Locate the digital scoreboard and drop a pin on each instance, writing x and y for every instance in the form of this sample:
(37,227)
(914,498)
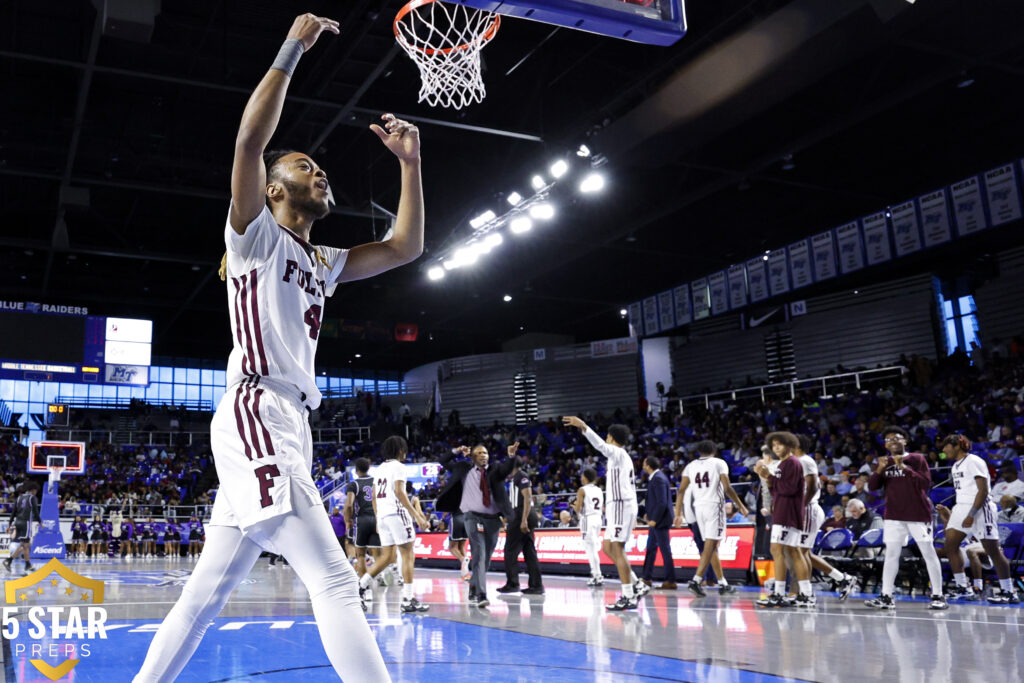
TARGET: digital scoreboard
(45,343)
(57,415)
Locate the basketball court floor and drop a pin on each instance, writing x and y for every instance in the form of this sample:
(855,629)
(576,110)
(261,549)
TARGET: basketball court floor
(267,633)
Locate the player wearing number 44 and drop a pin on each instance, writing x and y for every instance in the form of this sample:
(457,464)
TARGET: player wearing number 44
(262,447)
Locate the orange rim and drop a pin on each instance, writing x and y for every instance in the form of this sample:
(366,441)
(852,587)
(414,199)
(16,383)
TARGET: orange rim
(416,4)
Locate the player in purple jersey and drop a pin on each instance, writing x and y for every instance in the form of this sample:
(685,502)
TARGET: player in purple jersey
(277,285)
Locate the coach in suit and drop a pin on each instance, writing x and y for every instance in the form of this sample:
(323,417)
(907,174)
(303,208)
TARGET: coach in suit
(659,523)
(477,489)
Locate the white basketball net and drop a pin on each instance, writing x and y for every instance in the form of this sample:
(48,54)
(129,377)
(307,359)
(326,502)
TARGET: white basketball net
(445,42)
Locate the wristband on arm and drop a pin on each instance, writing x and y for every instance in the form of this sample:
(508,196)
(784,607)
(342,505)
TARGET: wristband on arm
(288,56)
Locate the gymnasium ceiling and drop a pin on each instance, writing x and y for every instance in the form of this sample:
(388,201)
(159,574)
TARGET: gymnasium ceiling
(862,94)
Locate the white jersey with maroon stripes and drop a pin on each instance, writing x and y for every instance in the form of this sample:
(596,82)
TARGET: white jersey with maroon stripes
(705,475)
(620,479)
(277,285)
(384,478)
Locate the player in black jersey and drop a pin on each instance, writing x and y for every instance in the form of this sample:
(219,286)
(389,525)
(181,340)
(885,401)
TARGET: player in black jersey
(359,515)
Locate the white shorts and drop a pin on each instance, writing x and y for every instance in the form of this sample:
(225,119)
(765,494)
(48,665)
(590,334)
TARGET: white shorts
(895,531)
(621,520)
(710,521)
(786,535)
(814,517)
(590,528)
(263,451)
(395,529)
(984,528)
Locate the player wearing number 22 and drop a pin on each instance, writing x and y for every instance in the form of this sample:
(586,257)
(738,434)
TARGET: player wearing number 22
(276,284)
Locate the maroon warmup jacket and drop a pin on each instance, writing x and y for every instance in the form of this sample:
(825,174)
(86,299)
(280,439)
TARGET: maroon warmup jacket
(906,490)
(788,494)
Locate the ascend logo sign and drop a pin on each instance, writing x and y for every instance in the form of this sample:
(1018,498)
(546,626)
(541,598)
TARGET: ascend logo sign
(59,606)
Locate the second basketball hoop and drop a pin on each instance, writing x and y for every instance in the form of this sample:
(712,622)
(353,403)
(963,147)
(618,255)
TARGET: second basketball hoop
(445,40)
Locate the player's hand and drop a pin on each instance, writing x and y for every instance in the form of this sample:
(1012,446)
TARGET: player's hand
(968,522)
(744,511)
(401,137)
(573,421)
(883,462)
(308,27)
(678,521)
(898,459)
(512,449)
(764,512)
(525,527)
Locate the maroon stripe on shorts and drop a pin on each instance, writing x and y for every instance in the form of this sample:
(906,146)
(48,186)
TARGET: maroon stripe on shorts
(238,326)
(256,324)
(256,411)
(239,424)
(247,407)
(245,326)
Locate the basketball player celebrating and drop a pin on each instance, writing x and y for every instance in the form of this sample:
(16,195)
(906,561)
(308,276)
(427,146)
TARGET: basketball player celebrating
(395,516)
(622,506)
(814,517)
(261,441)
(788,490)
(974,514)
(908,511)
(589,505)
(710,476)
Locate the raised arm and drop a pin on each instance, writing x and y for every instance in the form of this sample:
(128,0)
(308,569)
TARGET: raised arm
(602,447)
(259,121)
(406,242)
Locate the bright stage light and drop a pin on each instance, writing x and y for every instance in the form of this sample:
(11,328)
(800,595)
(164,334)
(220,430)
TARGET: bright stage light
(483,219)
(435,273)
(465,256)
(450,264)
(537,182)
(507,298)
(493,240)
(514,198)
(520,225)
(559,168)
(623,312)
(594,182)
(583,151)
(542,211)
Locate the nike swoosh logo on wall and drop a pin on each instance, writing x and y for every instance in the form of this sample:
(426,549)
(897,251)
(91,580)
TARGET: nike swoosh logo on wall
(754,322)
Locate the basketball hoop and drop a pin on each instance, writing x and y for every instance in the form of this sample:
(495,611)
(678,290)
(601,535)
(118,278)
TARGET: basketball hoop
(445,40)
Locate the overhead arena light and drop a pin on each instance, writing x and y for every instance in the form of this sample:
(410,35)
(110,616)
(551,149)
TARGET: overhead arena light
(507,298)
(623,312)
(450,264)
(559,168)
(520,225)
(435,273)
(466,256)
(482,220)
(583,151)
(594,182)
(537,182)
(514,198)
(543,211)
(493,240)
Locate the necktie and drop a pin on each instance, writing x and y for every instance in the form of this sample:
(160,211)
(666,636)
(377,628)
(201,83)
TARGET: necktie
(484,488)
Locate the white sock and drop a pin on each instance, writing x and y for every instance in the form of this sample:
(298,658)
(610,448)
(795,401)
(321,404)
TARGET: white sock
(365,580)
(960,579)
(1006,585)
(805,587)
(979,585)
(632,577)
(723,582)
(837,575)
(627,590)
(779,587)
(407,593)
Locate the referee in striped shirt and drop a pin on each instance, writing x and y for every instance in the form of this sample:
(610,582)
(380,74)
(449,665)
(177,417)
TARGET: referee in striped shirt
(519,537)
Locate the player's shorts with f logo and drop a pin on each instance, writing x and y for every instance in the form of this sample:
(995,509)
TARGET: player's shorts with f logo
(263,451)
(621,520)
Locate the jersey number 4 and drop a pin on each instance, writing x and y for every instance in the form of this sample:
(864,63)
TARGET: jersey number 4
(703,479)
(312,318)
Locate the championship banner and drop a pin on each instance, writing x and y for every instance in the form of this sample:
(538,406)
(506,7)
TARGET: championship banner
(824,256)
(935,218)
(719,293)
(800,264)
(757,278)
(701,302)
(565,546)
(681,295)
(636,318)
(778,272)
(906,230)
(967,206)
(851,247)
(613,347)
(1002,194)
(666,311)
(876,238)
(737,286)
(651,316)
